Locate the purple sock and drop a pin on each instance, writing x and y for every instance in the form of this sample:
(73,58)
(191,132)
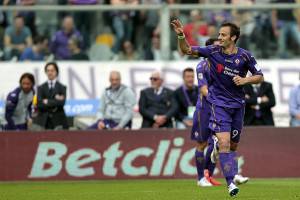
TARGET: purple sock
(235,162)
(226,161)
(208,164)
(200,161)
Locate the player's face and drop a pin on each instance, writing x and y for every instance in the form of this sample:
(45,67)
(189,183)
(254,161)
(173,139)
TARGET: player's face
(224,37)
(51,72)
(26,85)
(188,79)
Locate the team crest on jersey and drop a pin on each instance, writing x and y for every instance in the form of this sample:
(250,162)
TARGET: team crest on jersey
(237,61)
(220,68)
(200,76)
(196,134)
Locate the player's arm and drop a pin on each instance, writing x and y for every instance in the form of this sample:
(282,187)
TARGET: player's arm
(202,79)
(255,79)
(257,75)
(204,90)
(184,46)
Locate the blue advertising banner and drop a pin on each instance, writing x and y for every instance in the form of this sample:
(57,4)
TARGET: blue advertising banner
(73,107)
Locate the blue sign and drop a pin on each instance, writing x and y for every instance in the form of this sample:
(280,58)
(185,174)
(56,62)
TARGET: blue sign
(83,107)
(2,107)
(74,107)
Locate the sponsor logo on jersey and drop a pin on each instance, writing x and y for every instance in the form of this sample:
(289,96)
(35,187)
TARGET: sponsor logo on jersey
(220,68)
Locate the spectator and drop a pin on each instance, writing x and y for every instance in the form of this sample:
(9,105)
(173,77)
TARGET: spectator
(186,97)
(29,16)
(18,104)
(196,29)
(45,25)
(51,97)
(122,23)
(157,104)
(76,52)
(259,101)
(285,24)
(116,106)
(154,53)
(59,44)
(16,38)
(128,52)
(294,105)
(150,20)
(37,51)
(84,20)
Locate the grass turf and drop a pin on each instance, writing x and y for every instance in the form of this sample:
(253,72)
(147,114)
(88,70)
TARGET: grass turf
(256,189)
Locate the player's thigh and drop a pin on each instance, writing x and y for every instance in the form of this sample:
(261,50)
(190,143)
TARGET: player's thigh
(237,125)
(200,131)
(220,119)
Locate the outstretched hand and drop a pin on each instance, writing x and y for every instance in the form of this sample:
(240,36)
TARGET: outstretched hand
(177,26)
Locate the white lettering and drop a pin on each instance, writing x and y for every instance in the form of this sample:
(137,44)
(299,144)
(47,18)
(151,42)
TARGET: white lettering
(173,157)
(185,161)
(111,156)
(159,158)
(42,158)
(73,163)
(127,166)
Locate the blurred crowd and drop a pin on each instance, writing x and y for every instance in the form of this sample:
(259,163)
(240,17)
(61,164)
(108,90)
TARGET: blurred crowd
(135,35)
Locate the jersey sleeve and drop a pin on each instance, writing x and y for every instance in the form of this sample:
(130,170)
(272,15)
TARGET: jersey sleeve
(254,68)
(201,74)
(202,51)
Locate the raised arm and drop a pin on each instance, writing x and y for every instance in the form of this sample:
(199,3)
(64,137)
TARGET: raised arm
(184,46)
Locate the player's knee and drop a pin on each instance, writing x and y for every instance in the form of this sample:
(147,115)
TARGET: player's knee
(201,146)
(224,145)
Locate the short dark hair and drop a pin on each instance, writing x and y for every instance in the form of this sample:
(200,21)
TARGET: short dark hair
(234,30)
(29,76)
(39,39)
(55,66)
(188,69)
(19,17)
(210,41)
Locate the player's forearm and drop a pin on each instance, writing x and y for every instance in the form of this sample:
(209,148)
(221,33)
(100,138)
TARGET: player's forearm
(204,90)
(184,46)
(255,79)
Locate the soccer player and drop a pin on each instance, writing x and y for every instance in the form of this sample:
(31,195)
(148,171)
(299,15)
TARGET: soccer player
(229,66)
(200,131)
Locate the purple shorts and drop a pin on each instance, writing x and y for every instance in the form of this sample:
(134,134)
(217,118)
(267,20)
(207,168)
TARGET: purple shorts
(225,119)
(200,130)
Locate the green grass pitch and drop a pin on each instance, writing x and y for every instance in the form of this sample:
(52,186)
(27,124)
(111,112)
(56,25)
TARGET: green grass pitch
(172,189)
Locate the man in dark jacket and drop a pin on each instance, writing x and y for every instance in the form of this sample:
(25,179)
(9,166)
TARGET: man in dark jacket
(186,97)
(51,97)
(157,104)
(18,104)
(259,101)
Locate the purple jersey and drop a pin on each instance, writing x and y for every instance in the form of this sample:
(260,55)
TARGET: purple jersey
(222,90)
(203,78)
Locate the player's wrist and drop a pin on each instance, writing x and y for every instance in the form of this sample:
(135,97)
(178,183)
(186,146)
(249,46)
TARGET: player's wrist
(180,36)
